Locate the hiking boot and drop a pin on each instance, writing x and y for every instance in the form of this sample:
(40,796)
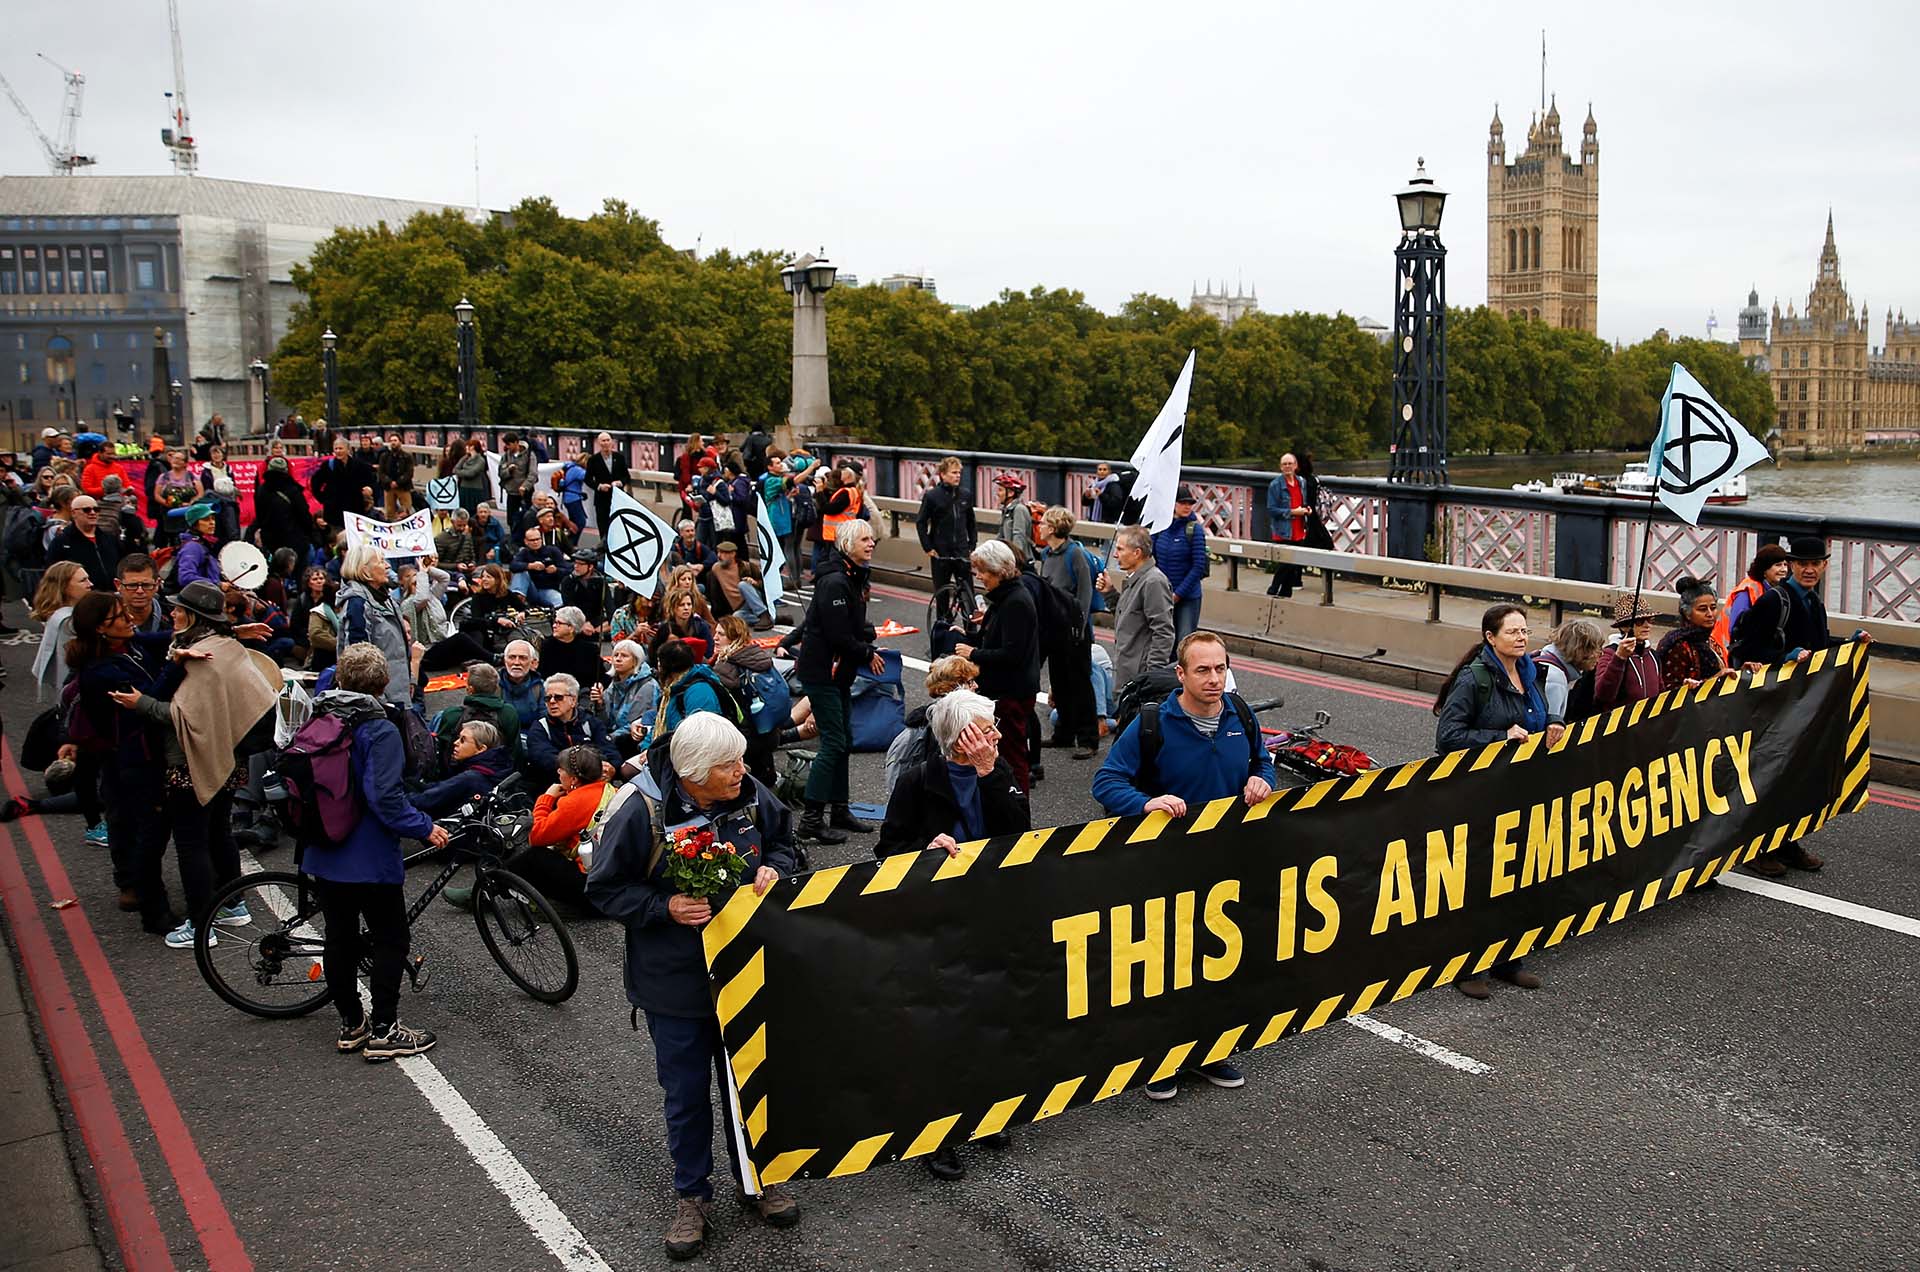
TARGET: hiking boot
(946,1164)
(775,1206)
(388,1042)
(1222,1074)
(843,819)
(458,897)
(1164,1089)
(764,623)
(1768,866)
(1037,773)
(813,825)
(1474,987)
(688,1231)
(352,1037)
(1518,976)
(1795,854)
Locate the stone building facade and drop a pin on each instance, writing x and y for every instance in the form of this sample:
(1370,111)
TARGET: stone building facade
(1224,307)
(1543,225)
(1833,391)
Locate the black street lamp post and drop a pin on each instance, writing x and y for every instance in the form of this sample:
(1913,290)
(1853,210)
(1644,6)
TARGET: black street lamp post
(177,401)
(263,376)
(1419,454)
(331,370)
(469,374)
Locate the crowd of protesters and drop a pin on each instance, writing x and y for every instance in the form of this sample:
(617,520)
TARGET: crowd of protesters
(574,693)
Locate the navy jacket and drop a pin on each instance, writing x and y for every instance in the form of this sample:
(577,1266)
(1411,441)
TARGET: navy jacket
(666,969)
(1188,765)
(547,737)
(1465,721)
(1757,636)
(471,777)
(1181,553)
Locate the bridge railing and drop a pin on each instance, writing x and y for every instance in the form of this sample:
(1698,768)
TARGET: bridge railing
(1875,572)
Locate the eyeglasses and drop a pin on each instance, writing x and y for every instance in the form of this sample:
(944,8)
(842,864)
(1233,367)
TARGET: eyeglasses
(128,586)
(559,697)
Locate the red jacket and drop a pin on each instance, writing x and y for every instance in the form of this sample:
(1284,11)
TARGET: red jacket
(94,475)
(557,823)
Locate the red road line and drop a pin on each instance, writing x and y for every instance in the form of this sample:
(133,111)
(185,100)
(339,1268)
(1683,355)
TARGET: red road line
(1901,801)
(212,1224)
(129,1207)
(1260,665)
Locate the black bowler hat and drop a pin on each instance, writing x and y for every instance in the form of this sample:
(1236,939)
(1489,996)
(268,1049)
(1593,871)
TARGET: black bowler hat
(1807,547)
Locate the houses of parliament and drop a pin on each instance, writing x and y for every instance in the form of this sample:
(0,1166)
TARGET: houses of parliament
(1543,224)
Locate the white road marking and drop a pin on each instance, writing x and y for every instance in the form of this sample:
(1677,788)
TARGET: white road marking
(529,1200)
(1420,1046)
(921,665)
(1826,905)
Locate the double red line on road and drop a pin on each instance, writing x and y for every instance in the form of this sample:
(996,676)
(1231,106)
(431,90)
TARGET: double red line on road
(129,1206)
(1904,800)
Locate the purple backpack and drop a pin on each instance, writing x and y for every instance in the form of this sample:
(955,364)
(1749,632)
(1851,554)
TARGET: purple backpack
(317,767)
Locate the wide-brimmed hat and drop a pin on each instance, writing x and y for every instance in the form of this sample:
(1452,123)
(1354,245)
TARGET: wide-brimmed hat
(203,600)
(1807,547)
(1629,609)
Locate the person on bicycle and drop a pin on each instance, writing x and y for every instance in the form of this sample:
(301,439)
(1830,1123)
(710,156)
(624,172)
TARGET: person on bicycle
(705,784)
(946,530)
(362,877)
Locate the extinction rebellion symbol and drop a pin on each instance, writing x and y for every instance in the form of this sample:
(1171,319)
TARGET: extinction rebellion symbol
(1705,449)
(634,548)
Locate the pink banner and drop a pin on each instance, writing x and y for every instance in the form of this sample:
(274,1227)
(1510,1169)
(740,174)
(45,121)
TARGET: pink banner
(246,474)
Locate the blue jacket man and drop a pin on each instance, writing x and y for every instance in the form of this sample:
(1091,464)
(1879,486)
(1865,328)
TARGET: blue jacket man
(704,786)
(1181,553)
(1205,754)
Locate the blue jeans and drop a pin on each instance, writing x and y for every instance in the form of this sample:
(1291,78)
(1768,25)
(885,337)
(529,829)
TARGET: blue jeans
(753,606)
(1186,618)
(822,553)
(687,1058)
(549,597)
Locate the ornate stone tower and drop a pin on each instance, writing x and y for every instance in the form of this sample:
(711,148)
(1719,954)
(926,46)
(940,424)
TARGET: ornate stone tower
(1753,332)
(1818,363)
(1543,224)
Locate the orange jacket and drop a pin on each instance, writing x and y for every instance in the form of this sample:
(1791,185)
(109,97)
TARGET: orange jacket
(557,823)
(96,472)
(1723,625)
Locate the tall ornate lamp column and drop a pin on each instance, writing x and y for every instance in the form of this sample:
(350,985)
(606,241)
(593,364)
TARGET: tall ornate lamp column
(1419,455)
(808,280)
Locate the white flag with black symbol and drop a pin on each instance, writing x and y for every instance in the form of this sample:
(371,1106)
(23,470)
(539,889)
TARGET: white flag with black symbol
(1156,461)
(1699,446)
(772,559)
(636,543)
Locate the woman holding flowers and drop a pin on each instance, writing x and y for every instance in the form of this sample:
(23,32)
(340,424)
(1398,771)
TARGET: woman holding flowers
(665,865)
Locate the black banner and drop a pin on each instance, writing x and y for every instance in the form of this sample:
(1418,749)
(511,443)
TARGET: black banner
(879,1011)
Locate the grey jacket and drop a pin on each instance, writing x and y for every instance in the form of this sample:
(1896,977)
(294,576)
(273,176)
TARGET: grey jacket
(378,619)
(1070,571)
(1142,625)
(471,471)
(516,473)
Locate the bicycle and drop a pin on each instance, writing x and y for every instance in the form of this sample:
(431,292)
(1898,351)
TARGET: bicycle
(532,624)
(272,966)
(950,618)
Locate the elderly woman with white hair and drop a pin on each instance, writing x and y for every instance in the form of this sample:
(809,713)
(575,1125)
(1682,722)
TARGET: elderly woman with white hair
(572,650)
(963,794)
(836,641)
(705,785)
(631,694)
(1008,653)
(369,609)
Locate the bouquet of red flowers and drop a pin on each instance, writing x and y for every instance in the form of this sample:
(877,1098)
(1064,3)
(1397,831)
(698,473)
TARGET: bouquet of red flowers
(701,866)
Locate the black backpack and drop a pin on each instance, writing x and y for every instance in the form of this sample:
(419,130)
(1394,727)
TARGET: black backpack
(1152,685)
(25,551)
(1150,738)
(1061,625)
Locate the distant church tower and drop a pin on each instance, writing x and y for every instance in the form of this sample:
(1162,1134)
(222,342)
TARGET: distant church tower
(1753,332)
(1543,225)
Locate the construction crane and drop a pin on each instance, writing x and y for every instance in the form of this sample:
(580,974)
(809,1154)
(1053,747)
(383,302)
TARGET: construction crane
(177,136)
(61,156)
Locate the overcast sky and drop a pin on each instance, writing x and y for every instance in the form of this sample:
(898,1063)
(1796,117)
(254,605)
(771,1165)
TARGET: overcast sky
(1113,148)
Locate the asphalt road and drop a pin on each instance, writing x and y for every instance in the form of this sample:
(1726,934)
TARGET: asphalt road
(1727,1081)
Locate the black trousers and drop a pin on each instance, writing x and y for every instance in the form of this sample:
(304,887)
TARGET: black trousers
(958,571)
(1070,679)
(203,848)
(558,879)
(384,907)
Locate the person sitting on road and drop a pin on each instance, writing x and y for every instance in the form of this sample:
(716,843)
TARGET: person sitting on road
(483,703)
(454,545)
(914,744)
(488,615)
(1493,695)
(521,687)
(687,687)
(572,649)
(705,785)
(480,763)
(965,792)
(585,588)
(1199,745)
(565,811)
(633,620)
(631,696)
(537,568)
(734,586)
(682,622)
(687,550)
(565,724)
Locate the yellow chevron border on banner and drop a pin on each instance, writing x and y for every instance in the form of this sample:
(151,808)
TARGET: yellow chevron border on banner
(740,1003)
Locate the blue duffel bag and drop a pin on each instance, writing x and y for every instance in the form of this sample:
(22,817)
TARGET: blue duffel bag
(879,704)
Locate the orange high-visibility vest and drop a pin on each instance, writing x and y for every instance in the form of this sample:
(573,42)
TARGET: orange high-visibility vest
(1723,625)
(830,523)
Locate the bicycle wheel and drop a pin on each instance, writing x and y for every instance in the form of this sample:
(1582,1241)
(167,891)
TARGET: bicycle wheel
(270,967)
(525,935)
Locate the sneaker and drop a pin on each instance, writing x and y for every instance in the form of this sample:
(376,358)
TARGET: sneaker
(97,834)
(181,938)
(688,1231)
(1164,1089)
(396,1039)
(353,1037)
(234,915)
(1222,1074)
(775,1206)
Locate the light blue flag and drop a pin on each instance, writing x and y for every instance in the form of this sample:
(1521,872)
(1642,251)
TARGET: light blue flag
(1699,445)
(443,493)
(773,559)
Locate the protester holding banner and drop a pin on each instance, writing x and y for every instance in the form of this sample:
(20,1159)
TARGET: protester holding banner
(1569,654)
(704,786)
(1689,653)
(370,613)
(1789,620)
(1768,568)
(1629,669)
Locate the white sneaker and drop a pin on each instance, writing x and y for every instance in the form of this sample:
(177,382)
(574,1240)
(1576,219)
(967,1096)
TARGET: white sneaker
(181,938)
